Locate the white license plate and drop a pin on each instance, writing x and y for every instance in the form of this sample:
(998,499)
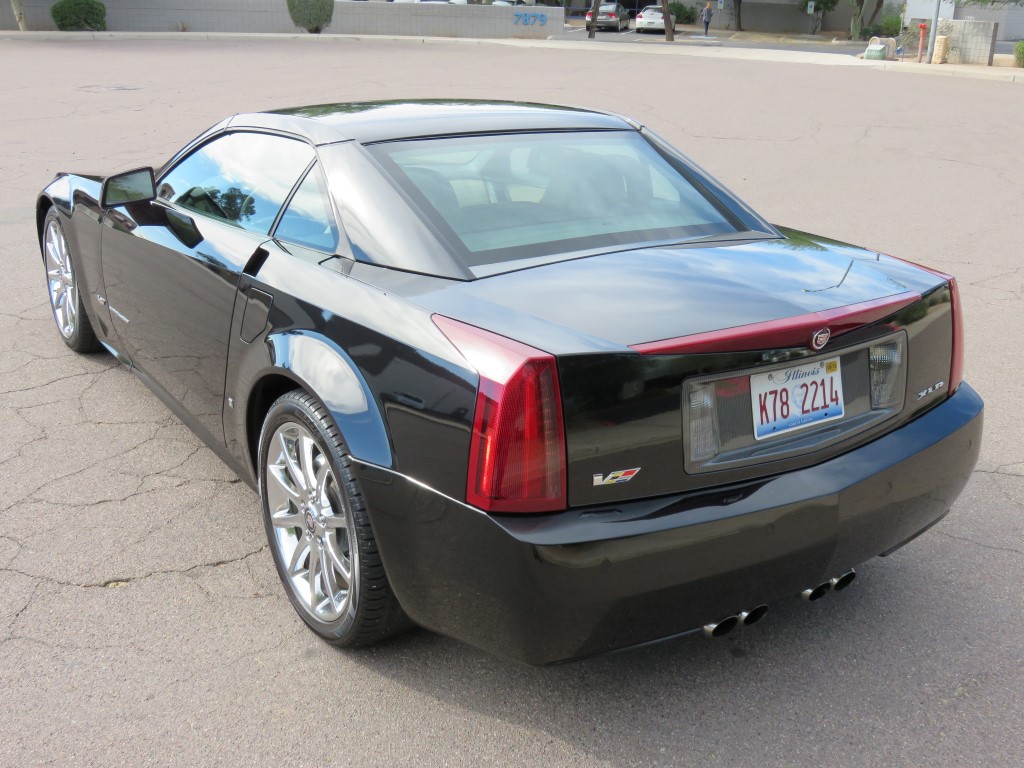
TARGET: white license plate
(796,397)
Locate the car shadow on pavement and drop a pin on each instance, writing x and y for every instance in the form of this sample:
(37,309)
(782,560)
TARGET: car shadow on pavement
(764,683)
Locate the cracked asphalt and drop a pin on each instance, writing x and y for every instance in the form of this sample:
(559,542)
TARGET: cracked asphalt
(141,620)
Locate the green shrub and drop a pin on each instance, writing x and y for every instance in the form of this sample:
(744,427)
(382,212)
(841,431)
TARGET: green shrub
(1018,53)
(312,15)
(79,15)
(684,14)
(890,26)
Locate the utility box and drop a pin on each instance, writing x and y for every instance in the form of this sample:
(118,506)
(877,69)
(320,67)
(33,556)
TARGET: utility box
(875,52)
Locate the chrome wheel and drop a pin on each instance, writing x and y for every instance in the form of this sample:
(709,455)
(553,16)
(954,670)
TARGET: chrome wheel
(310,524)
(60,277)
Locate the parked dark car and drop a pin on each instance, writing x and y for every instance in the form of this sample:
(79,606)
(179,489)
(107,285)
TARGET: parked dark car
(523,375)
(609,16)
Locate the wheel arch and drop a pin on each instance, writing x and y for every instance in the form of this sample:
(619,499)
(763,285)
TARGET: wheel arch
(43,205)
(313,363)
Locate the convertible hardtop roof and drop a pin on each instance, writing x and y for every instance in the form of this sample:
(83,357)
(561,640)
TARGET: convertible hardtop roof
(372,121)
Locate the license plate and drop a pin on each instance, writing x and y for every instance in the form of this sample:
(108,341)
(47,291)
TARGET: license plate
(793,398)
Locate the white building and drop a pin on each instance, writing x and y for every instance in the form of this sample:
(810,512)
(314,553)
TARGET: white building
(1009,17)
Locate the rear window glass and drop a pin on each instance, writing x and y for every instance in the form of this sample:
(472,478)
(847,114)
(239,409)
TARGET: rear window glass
(502,198)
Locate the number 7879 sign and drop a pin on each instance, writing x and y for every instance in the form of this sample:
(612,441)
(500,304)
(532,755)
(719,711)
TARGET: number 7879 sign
(529,19)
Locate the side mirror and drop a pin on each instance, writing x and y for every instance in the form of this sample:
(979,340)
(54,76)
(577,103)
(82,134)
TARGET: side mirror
(136,186)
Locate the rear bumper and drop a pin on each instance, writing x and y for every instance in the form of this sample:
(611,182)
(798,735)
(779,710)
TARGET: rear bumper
(546,588)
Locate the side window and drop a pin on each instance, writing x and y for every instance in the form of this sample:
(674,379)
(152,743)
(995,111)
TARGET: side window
(240,178)
(308,219)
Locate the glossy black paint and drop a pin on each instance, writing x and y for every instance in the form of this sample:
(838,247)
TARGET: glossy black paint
(219,322)
(588,581)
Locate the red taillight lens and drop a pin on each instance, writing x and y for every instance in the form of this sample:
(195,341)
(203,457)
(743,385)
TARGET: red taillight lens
(956,369)
(517,449)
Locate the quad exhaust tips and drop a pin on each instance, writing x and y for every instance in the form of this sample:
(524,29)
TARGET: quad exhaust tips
(723,627)
(729,623)
(838,584)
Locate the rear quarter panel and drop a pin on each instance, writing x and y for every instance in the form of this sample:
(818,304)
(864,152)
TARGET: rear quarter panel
(397,390)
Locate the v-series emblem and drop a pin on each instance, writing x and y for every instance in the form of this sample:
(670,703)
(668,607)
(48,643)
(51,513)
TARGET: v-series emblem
(618,476)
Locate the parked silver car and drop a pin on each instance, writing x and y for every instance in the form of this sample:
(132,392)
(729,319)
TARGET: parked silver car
(610,16)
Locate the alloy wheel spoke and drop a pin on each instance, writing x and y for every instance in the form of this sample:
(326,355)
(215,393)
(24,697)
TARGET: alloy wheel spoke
(336,522)
(299,554)
(330,584)
(313,572)
(293,467)
(320,496)
(307,462)
(279,489)
(285,519)
(338,560)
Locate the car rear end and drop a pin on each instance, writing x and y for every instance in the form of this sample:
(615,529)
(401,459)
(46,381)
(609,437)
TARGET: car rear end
(613,499)
(650,19)
(657,437)
(607,18)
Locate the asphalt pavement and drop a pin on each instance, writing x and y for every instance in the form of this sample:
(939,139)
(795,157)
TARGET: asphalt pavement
(141,619)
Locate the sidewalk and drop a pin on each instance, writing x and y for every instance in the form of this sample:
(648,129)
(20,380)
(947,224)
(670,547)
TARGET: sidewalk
(682,46)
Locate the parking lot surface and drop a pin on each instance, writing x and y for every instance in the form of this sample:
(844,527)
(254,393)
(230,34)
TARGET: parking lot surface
(141,619)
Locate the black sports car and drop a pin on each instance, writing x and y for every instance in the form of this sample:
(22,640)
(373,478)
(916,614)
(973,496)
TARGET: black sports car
(520,374)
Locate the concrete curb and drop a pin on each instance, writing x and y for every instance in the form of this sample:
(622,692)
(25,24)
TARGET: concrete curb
(679,48)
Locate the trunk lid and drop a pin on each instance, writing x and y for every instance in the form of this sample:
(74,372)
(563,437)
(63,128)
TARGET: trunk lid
(621,299)
(625,411)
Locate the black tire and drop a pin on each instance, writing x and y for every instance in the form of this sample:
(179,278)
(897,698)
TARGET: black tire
(371,611)
(75,329)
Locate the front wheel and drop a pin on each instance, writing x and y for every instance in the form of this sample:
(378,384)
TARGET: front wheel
(318,528)
(62,285)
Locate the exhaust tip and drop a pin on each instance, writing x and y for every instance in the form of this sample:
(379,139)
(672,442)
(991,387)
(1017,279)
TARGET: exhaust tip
(816,593)
(754,615)
(723,627)
(840,583)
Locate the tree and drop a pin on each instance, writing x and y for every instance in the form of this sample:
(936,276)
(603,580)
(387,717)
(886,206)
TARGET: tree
(856,23)
(312,15)
(874,13)
(666,15)
(821,7)
(594,8)
(19,14)
(738,5)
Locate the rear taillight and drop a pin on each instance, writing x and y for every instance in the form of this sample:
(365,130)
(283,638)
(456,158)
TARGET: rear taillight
(956,369)
(517,449)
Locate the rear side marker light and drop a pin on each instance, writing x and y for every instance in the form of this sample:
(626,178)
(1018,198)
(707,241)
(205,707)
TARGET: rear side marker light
(517,448)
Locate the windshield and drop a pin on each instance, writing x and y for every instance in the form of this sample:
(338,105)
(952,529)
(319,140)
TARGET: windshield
(502,198)
(651,9)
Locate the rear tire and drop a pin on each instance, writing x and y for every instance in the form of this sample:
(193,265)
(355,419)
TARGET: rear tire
(63,287)
(318,528)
